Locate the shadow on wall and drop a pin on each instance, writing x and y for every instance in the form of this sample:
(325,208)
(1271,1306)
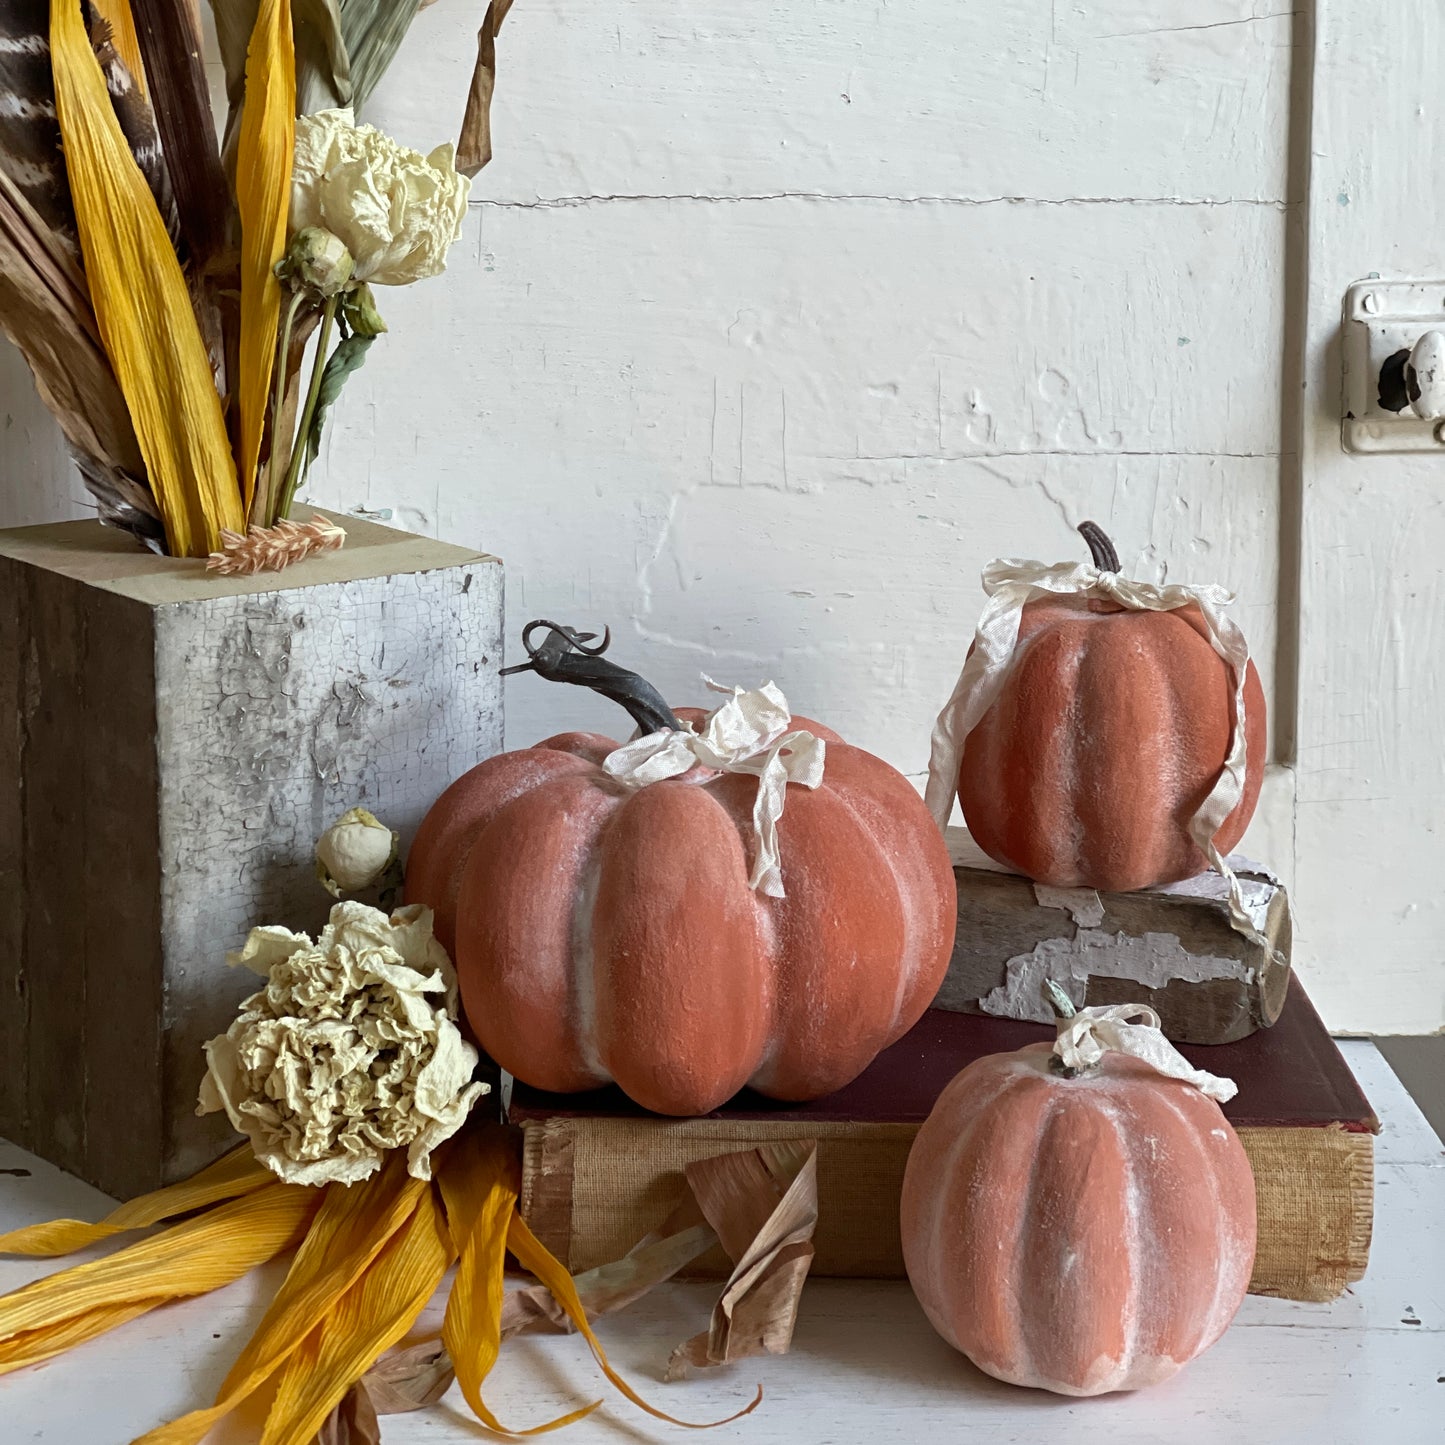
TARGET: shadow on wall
(38,483)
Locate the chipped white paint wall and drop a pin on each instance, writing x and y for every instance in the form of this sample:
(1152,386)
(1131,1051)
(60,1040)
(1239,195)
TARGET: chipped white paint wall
(771,325)
(1370,813)
(768,331)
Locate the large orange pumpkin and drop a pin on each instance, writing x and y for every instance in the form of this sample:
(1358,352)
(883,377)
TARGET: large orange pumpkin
(602,934)
(1108,734)
(1080,1234)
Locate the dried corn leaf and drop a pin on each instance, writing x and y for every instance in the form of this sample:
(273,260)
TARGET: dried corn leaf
(235,1174)
(763,1205)
(532,1254)
(187,1259)
(34,1346)
(323,71)
(263,194)
(611,1287)
(171,48)
(142,305)
(351,1228)
(117,14)
(479,1179)
(474,148)
(370,1317)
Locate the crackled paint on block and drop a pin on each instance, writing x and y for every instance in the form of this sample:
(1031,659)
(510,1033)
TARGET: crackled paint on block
(175,763)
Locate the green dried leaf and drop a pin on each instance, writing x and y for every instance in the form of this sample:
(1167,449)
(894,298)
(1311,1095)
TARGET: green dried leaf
(349,354)
(373,30)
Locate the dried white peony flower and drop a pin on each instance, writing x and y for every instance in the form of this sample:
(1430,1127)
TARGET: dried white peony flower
(354,852)
(348,1052)
(395,210)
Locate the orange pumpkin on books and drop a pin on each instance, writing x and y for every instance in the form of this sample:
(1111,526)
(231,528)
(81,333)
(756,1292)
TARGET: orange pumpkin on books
(1079,1228)
(1111,725)
(604,931)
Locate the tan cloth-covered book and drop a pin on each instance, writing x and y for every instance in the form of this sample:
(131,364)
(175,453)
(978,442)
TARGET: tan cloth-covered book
(599,1173)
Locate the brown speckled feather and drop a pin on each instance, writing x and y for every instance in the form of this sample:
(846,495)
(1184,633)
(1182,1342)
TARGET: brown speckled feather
(30,149)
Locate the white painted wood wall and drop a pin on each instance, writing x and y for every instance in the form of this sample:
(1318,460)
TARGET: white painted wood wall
(771,325)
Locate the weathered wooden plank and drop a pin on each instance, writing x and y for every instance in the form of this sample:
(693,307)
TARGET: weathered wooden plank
(1171,948)
(51,902)
(14,995)
(183,742)
(115,892)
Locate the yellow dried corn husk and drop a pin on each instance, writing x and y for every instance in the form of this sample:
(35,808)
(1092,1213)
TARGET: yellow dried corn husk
(532,1254)
(187,1259)
(237,1173)
(351,1228)
(479,1180)
(118,15)
(141,305)
(263,196)
(37,1345)
(371,1317)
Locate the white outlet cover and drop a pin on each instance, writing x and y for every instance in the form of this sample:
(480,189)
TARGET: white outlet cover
(1379,319)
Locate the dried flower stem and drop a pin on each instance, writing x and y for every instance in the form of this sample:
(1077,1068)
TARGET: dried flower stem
(308,414)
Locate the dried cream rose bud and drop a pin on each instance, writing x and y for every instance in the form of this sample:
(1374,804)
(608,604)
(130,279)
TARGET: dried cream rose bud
(316,261)
(354,852)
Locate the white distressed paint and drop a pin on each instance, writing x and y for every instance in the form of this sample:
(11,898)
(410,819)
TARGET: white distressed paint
(1152,959)
(865,1365)
(768,329)
(1370,776)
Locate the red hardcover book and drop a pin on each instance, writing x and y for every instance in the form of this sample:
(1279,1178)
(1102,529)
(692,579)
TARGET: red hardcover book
(599,1172)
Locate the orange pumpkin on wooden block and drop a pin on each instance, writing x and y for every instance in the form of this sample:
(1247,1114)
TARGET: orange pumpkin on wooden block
(1109,732)
(604,932)
(1079,1231)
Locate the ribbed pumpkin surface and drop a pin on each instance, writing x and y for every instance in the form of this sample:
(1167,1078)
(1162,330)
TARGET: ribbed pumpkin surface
(602,934)
(1110,731)
(1080,1235)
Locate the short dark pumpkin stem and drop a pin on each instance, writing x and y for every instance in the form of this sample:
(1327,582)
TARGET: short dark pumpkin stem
(563,656)
(1106,559)
(1063,1007)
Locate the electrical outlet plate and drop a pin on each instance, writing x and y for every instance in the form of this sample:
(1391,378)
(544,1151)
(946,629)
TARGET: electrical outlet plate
(1381,318)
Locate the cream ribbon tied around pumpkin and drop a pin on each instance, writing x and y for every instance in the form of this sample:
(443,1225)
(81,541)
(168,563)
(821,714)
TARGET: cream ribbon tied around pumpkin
(1133,1029)
(1010,583)
(750,733)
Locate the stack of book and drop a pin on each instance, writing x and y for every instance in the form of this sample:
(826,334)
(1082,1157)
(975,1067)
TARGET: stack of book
(599,1173)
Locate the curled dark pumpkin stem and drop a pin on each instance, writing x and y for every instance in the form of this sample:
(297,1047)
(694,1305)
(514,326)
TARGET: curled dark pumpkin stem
(563,656)
(1106,559)
(1063,1007)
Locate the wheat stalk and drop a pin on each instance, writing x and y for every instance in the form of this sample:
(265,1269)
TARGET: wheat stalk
(269,549)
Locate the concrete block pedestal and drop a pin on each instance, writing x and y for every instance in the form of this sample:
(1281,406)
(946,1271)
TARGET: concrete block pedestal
(171,745)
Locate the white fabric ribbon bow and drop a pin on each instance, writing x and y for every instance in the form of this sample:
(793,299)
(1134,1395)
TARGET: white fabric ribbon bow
(1010,583)
(1085,1038)
(748,734)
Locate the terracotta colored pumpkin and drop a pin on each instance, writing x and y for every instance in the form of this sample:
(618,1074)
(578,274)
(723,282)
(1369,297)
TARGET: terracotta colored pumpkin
(1080,1234)
(1109,733)
(602,934)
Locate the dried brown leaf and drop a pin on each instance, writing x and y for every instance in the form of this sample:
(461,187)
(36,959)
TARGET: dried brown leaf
(763,1203)
(353,1421)
(409,1379)
(611,1287)
(474,148)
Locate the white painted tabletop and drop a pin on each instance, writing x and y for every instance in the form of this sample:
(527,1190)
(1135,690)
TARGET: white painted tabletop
(865,1366)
